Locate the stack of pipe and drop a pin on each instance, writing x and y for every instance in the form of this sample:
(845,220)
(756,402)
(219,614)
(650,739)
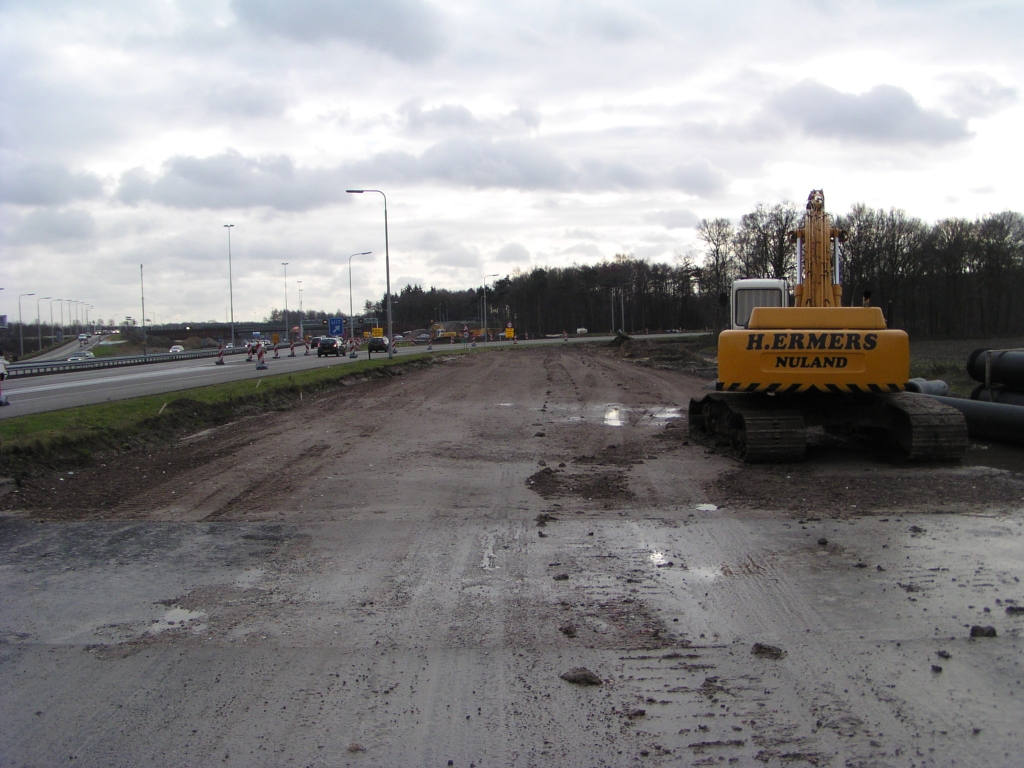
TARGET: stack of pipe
(995,410)
(1000,373)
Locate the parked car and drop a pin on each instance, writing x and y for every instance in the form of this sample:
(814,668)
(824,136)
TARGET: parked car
(175,349)
(377,344)
(328,346)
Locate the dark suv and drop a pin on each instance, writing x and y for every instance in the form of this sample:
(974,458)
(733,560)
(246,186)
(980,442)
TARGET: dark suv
(377,344)
(328,346)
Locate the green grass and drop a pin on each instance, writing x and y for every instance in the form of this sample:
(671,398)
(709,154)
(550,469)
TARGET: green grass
(71,434)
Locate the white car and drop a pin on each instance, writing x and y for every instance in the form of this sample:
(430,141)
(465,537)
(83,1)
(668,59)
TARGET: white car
(79,356)
(176,348)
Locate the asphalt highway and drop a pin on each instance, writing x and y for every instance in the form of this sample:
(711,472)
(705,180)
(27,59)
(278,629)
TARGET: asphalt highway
(68,390)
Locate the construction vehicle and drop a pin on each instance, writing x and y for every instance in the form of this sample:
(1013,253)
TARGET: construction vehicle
(782,369)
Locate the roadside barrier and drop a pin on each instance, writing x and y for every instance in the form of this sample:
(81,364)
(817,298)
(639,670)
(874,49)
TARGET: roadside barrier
(277,354)
(261,364)
(248,354)
(306,342)
(220,355)
(291,353)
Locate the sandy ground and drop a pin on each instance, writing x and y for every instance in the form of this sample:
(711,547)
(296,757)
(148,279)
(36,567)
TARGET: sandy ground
(399,573)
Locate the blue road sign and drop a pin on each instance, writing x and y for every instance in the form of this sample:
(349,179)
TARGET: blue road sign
(336,326)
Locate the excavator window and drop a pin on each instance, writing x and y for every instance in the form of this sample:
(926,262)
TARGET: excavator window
(748,298)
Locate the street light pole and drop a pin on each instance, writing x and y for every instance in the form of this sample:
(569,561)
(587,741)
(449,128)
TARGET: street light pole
(39,322)
(21,324)
(142,285)
(51,320)
(302,333)
(485,304)
(351,334)
(287,333)
(231,290)
(387,265)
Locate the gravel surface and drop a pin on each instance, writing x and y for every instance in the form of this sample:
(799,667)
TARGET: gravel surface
(515,558)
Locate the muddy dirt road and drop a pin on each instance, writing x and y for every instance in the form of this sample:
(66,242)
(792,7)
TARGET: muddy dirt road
(399,574)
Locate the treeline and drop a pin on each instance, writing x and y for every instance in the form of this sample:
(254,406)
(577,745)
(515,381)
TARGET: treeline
(954,278)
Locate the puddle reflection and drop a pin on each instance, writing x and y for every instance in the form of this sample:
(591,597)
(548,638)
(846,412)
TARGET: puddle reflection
(612,416)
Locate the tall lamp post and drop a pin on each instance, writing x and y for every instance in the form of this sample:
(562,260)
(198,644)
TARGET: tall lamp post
(287,333)
(302,333)
(39,322)
(54,335)
(351,330)
(387,263)
(231,291)
(485,304)
(21,324)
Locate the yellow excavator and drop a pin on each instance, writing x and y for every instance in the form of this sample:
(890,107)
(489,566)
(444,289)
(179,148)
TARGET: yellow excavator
(782,369)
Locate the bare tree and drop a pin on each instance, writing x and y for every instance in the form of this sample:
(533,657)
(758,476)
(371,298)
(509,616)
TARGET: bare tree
(762,241)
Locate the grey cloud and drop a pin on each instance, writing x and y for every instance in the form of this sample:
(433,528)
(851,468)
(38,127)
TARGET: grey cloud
(405,29)
(445,116)
(456,118)
(528,165)
(446,253)
(47,184)
(584,249)
(246,101)
(607,23)
(513,252)
(584,234)
(231,180)
(44,226)
(673,219)
(977,95)
(698,177)
(886,114)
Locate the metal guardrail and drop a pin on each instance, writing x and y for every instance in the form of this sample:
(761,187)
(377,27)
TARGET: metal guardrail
(23,370)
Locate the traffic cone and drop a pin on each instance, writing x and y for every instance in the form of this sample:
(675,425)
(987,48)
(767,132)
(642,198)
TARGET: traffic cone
(261,364)
(220,355)
(277,354)
(292,352)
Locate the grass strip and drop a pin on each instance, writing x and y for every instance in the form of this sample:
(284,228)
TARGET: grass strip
(70,436)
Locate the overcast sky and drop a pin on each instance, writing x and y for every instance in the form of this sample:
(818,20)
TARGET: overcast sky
(506,135)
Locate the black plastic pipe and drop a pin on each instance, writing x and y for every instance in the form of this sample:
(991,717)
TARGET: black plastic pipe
(1007,367)
(997,395)
(990,421)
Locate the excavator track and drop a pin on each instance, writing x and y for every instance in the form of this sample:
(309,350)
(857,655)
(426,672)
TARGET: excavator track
(753,428)
(760,429)
(925,429)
